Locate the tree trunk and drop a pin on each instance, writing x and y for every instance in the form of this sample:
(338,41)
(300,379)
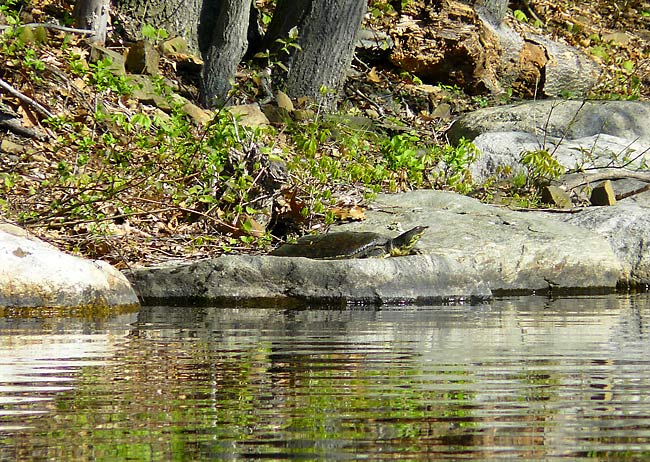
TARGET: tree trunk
(183,18)
(92,15)
(327,31)
(225,50)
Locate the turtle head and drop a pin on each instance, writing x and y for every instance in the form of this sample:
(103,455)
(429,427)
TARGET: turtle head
(404,243)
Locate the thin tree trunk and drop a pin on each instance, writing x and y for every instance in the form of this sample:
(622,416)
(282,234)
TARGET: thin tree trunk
(93,15)
(224,51)
(327,31)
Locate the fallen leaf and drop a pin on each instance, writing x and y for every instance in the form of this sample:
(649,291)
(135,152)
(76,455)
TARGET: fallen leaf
(373,76)
(349,213)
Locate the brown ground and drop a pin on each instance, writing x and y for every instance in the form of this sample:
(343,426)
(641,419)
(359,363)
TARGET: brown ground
(614,33)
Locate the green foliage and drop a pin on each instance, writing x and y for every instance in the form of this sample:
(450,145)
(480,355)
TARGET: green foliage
(623,82)
(103,77)
(600,51)
(520,16)
(31,61)
(19,44)
(405,75)
(404,154)
(457,160)
(541,165)
(154,34)
(310,137)
(379,9)
(10,9)
(285,47)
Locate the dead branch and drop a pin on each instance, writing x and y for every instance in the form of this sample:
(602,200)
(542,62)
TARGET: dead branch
(575,180)
(26,99)
(72,30)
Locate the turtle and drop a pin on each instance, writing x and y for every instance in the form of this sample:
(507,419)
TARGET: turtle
(351,244)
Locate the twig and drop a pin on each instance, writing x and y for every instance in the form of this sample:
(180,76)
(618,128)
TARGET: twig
(26,99)
(55,27)
(197,212)
(531,12)
(633,192)
(550,210)
(109,218)
(581,179)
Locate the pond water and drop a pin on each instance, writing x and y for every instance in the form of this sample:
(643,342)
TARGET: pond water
(523,378)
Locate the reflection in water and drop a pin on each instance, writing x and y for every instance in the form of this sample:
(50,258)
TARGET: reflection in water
(527,378)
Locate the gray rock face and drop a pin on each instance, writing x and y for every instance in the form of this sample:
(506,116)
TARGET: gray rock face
(469,251)
(509,251)
(557,118)
(35,274)
(589,134)
(417,278)
(626,227)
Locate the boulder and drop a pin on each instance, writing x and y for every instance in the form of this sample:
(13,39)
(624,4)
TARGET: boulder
(578,134)
(510,251)
(470,251)
(249,279)
(626,226)
(36,274)
(555,118)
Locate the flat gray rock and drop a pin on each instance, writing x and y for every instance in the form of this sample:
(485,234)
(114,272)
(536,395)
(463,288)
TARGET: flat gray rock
(509,251)
(470,251)
(34,274)
(263,279)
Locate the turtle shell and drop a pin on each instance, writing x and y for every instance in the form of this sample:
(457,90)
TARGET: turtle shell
(346,244)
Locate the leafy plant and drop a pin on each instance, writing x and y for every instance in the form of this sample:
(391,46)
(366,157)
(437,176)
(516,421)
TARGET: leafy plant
(541,166)
(457,160)
(285,47)
(152,33)
(520,16)
(105,78)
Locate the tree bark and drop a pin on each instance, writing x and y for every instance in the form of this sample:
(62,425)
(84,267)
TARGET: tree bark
(327,31)
(92,15)
(183,18)
(224,51)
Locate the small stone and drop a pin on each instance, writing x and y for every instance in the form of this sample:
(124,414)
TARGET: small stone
(198,115)
(303,114)
(173,46)
(142,58)
(10,147)
(116,67)
(603,194)
(619,38)
(284,101)
(442,111)
(555,195)
(250,115)
(372,114)
(275,114)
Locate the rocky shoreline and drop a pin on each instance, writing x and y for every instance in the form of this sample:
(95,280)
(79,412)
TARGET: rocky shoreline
(471,251)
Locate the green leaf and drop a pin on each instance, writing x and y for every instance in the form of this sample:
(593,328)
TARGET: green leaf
(520,16)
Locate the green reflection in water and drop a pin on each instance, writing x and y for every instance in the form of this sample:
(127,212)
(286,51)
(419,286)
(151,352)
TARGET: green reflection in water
(180,400)
(517,382)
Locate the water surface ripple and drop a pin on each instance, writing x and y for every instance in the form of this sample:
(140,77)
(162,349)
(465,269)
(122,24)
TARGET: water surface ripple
(527,379)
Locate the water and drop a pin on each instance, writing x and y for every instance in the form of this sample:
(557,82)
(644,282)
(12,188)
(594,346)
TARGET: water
(524,379)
